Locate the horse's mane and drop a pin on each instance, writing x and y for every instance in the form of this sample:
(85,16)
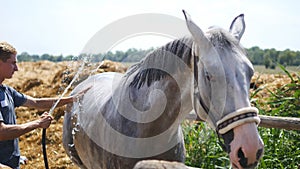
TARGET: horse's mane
(222,39)
(181,48)
(149,68)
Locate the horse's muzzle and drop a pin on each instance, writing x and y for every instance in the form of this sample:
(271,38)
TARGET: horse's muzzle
(241,138)
(244,146)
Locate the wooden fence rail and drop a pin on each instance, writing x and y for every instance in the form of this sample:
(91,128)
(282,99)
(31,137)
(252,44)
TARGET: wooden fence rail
(288,123)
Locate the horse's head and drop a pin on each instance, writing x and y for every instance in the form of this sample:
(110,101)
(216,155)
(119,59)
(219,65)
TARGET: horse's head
(222,75)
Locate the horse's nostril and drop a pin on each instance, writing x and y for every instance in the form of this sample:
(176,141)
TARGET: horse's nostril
(243,160)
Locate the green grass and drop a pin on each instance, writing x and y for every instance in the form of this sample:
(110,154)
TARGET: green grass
(282,147)
(202,150)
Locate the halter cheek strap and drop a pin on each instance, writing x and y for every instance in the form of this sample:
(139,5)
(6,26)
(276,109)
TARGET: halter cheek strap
(237,118)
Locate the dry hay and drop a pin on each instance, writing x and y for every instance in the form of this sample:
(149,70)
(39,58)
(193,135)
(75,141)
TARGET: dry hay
(48,79)
(264,83)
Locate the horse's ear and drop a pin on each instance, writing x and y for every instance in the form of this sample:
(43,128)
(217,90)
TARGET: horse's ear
(237,27)
(196,32)
(202,43)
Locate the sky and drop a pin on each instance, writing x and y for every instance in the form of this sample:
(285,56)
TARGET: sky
(63,27)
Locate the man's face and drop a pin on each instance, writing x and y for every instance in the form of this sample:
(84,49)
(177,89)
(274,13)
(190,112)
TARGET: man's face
(8,68)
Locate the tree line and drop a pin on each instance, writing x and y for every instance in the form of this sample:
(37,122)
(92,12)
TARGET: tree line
(258,56)
(270,57)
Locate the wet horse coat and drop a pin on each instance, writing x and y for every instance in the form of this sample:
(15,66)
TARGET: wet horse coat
(125,118)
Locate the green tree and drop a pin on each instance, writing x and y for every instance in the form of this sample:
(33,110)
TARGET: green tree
(256,55)
(24,57)
(47,57)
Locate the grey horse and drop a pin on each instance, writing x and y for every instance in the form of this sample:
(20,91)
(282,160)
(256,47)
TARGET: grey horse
(125,118)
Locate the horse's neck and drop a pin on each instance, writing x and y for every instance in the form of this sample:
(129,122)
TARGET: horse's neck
(156,92)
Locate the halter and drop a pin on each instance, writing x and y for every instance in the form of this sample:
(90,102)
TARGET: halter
(237,118)
(230,121)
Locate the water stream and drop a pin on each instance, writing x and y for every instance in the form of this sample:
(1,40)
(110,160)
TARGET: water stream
(68,87)
(74,80)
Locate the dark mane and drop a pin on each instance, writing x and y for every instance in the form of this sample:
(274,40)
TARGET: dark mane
(182,48)
(148,69)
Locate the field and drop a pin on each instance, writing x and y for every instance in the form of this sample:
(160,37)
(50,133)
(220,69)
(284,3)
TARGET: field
(48,79)
(277,70)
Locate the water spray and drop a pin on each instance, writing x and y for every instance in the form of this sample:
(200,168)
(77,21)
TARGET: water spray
(55,105)
(51,112)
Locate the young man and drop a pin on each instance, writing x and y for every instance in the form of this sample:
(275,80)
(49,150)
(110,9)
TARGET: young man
(9,99)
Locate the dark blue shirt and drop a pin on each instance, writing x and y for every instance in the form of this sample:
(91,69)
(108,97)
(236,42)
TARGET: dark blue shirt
(9,149)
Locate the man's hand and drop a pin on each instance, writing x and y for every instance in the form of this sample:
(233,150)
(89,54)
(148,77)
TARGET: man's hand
(45,120)
(77,96)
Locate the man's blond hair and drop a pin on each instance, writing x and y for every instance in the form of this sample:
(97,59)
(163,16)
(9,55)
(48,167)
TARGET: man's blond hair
(6,50)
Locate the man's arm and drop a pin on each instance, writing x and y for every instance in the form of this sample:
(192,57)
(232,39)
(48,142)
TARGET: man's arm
(9,132)
(47,103)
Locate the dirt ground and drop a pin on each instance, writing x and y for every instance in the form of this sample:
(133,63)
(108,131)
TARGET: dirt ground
(48,79)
